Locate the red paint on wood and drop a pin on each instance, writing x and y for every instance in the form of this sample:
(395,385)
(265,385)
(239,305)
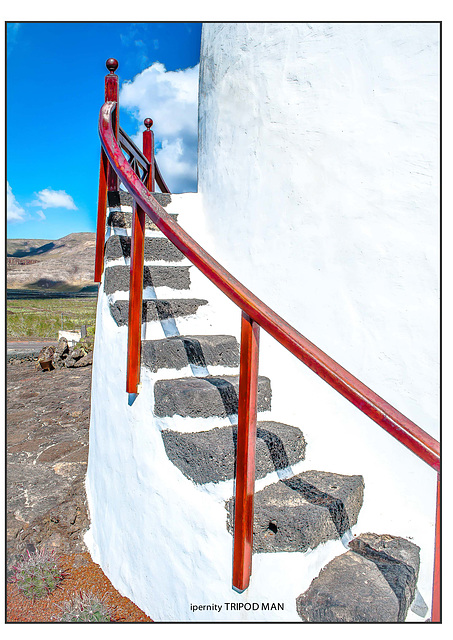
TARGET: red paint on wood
(137,160)
(148,152)
(135,300)
(112,65)
(102,211)
(245,456)
(435,612)
(111,95)
(159,179)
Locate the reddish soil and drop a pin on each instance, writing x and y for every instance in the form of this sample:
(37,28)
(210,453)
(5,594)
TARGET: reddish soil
(82,575)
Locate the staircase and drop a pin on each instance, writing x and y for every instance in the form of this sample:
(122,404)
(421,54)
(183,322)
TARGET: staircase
(178,499)
(297,512)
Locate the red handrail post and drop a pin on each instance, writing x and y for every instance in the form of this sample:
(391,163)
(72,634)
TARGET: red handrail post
(245,457)
(148,152)
(435,611)
(111,95)
(108,180)
(135,301)
(102,212)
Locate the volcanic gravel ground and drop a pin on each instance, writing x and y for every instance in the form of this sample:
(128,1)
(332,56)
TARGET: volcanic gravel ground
(48,415)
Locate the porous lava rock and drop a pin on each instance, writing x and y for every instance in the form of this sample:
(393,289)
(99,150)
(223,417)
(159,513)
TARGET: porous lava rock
(84,360)
(373,582)
(304,511)
(61,353)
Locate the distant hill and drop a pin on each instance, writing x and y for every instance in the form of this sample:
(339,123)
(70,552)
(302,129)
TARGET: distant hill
(62,265)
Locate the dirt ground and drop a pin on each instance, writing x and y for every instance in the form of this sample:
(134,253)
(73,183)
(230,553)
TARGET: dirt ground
(48,414)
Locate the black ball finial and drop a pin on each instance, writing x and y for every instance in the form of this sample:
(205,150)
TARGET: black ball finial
(112,65)
(148,123)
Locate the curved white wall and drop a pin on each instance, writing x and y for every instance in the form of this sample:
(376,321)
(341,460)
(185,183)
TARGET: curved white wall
(318,166)
(318,170)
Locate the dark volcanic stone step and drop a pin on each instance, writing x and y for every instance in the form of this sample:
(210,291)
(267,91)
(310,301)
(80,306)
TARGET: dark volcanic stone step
(156,309)
(179,351)
(304,511)
(117,277)
(374,582)
(205,397)
(124,198)
(155,249)
(123,220)
(209,456)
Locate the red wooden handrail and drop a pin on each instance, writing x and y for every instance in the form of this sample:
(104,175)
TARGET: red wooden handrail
(159,179)
(258,314)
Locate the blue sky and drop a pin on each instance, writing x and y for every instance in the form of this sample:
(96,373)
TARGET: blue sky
(55,88)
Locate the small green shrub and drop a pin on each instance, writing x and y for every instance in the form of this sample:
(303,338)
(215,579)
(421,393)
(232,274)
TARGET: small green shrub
(85,607)
(38,574)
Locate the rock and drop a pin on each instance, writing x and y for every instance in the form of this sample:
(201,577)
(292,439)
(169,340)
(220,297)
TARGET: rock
(374,582)
(62,348)
(61,353)
(210,456)
(78,353)
(45,358)
(46,353)
(85,360)
(304,511)
(74,355)
(397,559)
(58,361)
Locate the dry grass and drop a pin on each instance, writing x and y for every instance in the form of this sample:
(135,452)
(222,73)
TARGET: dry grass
(44,318)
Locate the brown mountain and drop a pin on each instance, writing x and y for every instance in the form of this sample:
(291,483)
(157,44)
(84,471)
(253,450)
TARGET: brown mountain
(66,264)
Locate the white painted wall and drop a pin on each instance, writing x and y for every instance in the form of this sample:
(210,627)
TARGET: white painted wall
(318,169)
(318,165)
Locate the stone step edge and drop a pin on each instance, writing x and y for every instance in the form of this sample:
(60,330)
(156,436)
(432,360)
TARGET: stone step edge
(209,456)
(117,277)
(156,248)
(205,396)
(123,220)
(303,511)
(157,310)
(121,197)
(375,581)
(177,352)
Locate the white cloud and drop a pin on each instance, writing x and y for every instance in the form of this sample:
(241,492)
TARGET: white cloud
(48,198)
(14,212)
(12,33)
(170,98)
(178,165)
(41,215)
(136,38)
